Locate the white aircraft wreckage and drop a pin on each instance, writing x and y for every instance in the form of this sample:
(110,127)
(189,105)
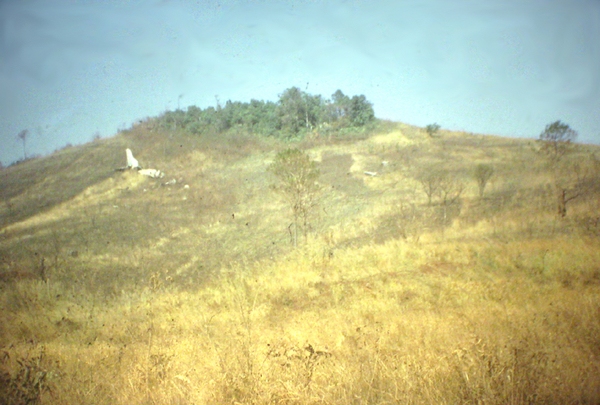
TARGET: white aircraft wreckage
(133,164)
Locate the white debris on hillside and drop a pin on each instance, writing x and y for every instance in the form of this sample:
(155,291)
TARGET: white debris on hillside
(155,174)
(132,162)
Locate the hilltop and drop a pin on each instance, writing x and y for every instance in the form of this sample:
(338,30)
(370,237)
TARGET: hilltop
(391,296)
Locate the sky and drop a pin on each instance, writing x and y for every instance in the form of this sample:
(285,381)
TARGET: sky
(74,69)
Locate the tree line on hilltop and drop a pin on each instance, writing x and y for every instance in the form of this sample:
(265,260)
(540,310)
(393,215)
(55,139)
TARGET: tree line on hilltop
(294,114)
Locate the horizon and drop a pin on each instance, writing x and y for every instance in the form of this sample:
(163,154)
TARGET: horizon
(72,70)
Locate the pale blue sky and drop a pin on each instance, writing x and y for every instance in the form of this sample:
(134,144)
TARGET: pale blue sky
(69,69)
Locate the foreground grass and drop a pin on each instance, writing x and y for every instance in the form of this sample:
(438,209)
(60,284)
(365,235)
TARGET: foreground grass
(430,321)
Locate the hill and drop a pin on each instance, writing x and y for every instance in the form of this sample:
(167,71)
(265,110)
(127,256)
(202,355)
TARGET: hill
(119,288)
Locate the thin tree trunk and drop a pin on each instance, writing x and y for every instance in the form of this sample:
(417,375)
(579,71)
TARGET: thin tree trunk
(295,230)
(561,202)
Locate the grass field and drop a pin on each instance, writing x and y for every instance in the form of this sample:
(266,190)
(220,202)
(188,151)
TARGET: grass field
(118,289)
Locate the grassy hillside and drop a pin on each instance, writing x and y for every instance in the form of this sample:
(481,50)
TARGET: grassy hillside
(120,289)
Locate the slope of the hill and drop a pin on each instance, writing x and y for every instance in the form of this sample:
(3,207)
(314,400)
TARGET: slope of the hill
(215,205)
(120,289)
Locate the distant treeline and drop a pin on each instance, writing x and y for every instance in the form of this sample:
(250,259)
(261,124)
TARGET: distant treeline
(294,114)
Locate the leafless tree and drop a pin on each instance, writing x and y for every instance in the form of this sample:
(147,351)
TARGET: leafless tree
(430,180)
(573,179)
(23,136)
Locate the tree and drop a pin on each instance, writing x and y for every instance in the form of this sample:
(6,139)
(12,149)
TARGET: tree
(557,140)
(23,136)
(430,180)
(451,188)
(297,176)
(292,110)
(361,111)
(340,105)
(437,181)
(569,179)
(432,129)
(293,115)
(483,173)
(315,110)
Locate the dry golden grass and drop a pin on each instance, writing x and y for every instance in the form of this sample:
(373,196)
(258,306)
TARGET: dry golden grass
(439,321)
(194,296)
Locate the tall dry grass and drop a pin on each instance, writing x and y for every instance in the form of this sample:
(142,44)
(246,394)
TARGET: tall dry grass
(435,321)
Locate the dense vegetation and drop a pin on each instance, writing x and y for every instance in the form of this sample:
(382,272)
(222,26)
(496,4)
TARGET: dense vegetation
(294,114)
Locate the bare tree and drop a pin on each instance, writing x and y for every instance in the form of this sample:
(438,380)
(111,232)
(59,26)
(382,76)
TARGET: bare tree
(451,188)
(430,180)
(441,183)
(23,136)
(573,179)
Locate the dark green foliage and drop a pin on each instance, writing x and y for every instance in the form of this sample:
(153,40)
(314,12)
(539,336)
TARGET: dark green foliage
(361,111)
(432,129)
(340,106)
(295,114)
(294,111)
(556,140)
